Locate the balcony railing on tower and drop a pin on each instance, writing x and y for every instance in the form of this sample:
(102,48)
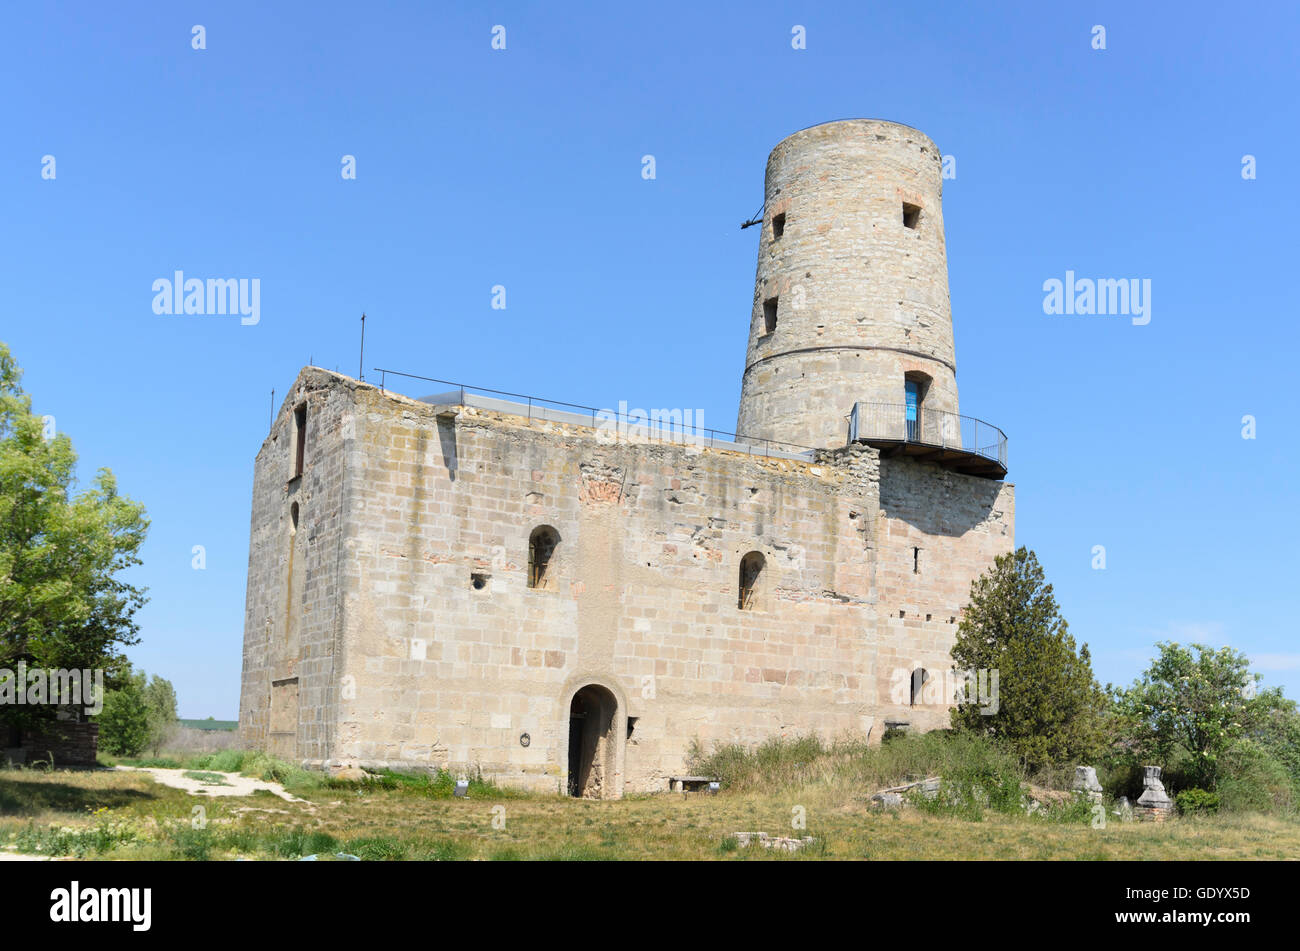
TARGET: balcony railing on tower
(961,443)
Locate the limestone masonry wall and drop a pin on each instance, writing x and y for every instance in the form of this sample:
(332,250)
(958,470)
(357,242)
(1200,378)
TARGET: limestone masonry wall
(293,617)
(411,637)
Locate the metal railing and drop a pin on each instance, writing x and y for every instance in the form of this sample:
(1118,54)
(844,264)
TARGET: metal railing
(931,427)
(654,426)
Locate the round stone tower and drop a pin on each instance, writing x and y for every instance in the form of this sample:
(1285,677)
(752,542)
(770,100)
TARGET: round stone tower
(851,292)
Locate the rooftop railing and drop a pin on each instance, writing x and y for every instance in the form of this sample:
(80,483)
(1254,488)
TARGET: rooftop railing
(928,429)
(650,425)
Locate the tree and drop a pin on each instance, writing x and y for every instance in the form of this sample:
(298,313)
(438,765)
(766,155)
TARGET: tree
(138,713)
(1050,707)
(1192,708)
(124,721)
(62,604)
(1275,725)
(160,698)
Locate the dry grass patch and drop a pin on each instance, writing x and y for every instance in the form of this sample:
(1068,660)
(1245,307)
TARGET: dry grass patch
(125,815)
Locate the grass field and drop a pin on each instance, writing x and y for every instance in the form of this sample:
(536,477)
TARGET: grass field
(125,815)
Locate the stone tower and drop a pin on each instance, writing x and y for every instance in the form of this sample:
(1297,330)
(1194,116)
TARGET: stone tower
(851,291)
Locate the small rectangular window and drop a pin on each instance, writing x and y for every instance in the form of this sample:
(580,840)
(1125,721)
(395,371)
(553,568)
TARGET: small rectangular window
(300,439)
(778,225)
(769,316)
(911,215)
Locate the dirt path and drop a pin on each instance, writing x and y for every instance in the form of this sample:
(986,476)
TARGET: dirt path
(232,784)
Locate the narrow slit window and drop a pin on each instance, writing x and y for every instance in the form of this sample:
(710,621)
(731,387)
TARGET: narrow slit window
(778,225)
(541,550)
(911,216)
(300,439)
(916,561)
(769,316)
(751,568)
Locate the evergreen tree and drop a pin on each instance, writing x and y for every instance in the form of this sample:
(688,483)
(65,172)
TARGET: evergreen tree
(1049,706)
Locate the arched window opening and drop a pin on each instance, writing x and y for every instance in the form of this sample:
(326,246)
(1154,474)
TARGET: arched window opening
(920,677)
(541,551)
(751,568)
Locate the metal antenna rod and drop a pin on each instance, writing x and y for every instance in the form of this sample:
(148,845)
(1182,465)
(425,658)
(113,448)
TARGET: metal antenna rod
(361,364)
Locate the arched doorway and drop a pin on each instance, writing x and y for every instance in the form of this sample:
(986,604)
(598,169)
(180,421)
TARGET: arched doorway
(592,746)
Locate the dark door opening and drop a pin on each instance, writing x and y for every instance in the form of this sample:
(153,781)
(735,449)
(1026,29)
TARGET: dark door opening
(591,742)
(577,720)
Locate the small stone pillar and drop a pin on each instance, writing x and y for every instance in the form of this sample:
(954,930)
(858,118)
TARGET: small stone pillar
(1153,805)
(1085,781)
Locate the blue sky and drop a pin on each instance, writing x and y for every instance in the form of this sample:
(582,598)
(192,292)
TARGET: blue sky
(522,167)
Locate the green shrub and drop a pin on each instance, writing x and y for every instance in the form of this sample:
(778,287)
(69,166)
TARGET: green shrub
(891,733)
(776,762)
(296,843)
(1193,802)
(206,778)
(966,762)
(105,835)
(1250,780)
(377,849)
(1080,809)
(124,720)
(259,765)
(439,784)
(193,844)
(241,840)
(224,761)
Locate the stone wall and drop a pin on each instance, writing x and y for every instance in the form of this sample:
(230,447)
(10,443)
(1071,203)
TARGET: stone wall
(642,596)
(63,743)
(937,531)
(416,641)
(294,603)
